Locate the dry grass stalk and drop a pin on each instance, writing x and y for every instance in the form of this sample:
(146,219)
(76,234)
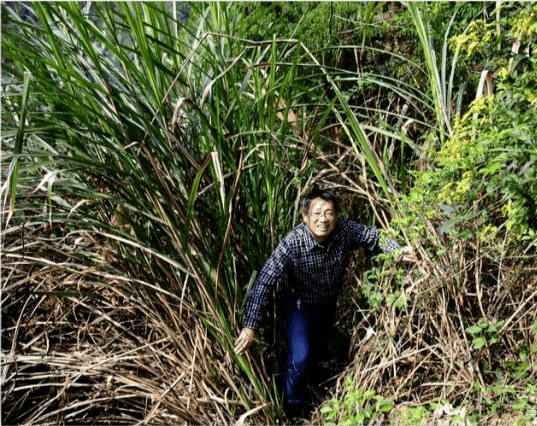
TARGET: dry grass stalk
(83,343)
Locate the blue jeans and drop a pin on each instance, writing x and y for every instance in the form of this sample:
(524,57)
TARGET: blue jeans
(306,329)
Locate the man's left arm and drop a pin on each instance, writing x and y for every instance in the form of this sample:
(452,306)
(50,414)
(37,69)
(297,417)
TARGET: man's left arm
(370,238)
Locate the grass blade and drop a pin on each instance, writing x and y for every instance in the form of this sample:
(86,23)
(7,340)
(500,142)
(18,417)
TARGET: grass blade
(19,140)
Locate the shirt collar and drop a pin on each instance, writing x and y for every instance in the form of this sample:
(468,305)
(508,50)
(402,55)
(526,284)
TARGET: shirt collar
(308,240)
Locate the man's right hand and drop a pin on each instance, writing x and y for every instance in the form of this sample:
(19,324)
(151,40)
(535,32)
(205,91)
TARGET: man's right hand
(245,340)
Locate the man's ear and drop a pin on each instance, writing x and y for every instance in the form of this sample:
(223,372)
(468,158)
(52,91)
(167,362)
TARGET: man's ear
(304,216)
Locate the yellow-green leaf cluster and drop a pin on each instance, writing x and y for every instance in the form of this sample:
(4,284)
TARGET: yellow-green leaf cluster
(478,34)
(526,24)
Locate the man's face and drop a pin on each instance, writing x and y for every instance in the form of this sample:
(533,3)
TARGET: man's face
(320,219)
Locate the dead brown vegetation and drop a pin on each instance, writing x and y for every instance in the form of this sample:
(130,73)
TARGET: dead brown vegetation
(82,343)
(423,353)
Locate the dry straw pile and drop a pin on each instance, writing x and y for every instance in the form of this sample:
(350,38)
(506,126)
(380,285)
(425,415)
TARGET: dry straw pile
(83,344)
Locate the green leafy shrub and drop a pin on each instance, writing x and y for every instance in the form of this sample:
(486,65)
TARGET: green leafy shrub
(357,408)
(484,332)
(412,415)
(471,212)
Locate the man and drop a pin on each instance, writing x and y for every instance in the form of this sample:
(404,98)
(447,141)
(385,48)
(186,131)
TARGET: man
(313,257)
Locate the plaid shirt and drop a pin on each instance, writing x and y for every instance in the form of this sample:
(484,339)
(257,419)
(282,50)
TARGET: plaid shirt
(314,272)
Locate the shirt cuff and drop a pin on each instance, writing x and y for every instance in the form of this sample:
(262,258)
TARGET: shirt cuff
(251,322)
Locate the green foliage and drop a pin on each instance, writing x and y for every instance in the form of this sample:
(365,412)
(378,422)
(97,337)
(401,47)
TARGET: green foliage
(528,402)
(412,415)
(486,179)
(496,139)
(317,24)
(357,408)
(19,142)
(165,125)
(485,333)
(372,289)
(502,395)
(477,37)
(478,190)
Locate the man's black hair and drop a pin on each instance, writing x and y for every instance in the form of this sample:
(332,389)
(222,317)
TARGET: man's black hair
(319,193)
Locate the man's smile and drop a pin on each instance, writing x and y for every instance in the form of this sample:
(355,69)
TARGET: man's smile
(320,219)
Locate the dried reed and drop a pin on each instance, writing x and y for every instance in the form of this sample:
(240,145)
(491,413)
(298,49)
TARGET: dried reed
(83,343)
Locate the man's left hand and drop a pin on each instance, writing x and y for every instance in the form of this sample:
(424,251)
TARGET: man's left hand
(407,255)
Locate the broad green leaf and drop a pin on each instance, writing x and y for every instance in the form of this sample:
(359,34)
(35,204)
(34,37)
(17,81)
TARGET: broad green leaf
(479,342)
(474,329)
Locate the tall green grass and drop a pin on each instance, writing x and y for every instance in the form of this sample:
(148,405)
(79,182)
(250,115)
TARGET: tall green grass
(183,145)
(169,139)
